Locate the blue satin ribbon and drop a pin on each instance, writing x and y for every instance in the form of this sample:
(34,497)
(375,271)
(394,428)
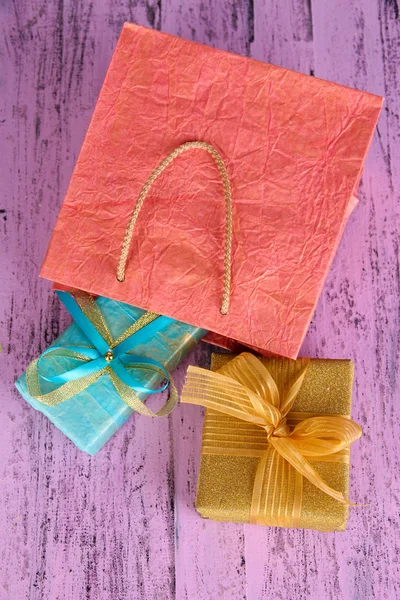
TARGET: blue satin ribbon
(96,355)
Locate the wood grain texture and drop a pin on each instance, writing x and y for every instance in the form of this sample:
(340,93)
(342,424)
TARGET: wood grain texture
(121,525)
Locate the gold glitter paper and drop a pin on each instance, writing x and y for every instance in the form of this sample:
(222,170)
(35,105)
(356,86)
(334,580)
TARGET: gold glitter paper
(225,486)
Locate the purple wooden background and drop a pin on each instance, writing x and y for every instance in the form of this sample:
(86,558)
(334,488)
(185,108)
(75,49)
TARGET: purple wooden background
(122,526)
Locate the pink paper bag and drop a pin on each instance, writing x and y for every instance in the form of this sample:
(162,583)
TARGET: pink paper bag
(294,148)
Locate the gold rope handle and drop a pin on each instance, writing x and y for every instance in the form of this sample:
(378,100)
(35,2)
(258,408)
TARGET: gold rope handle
(228,203)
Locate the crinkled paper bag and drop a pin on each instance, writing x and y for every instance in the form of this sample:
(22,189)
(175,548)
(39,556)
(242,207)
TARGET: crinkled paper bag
(294,147)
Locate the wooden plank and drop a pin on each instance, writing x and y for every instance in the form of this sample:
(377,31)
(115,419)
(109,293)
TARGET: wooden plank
(75,526)
(355,44)
(360,303)
(209,556)
(276,561)
(283,34)
(224,24)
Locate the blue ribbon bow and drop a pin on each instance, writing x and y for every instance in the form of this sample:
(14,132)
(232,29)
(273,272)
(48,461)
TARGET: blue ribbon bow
(101,356)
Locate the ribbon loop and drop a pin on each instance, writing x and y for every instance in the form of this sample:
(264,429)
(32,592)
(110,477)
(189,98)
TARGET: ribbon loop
(246,390)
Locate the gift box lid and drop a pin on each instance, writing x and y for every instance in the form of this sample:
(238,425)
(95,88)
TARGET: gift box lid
(294,147)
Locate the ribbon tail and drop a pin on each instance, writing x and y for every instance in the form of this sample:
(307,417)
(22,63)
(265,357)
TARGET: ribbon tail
(287,449)
(277,493)
(130,397)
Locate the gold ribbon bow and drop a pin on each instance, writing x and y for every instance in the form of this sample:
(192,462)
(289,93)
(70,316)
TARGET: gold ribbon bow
(246,390)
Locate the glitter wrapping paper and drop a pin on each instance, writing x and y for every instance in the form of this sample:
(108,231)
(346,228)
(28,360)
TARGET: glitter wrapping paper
(294,147)
(225,483)
(91,417)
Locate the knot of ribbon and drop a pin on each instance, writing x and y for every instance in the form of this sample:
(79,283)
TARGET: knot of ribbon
(281,429)
(245,390)
(104,355)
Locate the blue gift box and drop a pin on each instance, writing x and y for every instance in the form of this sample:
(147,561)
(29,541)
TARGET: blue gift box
(93,415)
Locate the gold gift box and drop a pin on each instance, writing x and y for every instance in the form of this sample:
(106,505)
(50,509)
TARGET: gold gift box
(225,483)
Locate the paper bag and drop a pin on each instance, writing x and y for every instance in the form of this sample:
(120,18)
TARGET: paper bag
(293,147)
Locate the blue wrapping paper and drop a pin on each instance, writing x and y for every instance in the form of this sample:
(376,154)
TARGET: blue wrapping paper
(91,417)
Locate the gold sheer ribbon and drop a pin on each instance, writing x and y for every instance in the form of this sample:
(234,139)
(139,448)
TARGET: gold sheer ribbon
(250,416)
(74,387)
